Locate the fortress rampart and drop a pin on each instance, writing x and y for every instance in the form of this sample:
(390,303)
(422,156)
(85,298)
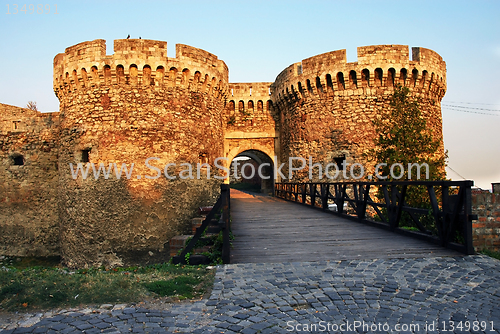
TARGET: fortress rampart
(138,104)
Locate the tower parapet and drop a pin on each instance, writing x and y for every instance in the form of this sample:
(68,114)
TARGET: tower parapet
(328,105)
(138,62)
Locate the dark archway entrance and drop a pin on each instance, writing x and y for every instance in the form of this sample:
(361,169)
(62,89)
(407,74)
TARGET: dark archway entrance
(252,170)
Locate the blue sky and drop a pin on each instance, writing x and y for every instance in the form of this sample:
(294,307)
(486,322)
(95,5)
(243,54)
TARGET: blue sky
(258,39)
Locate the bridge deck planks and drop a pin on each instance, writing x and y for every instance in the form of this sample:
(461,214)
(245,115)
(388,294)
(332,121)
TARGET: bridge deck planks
(271,230)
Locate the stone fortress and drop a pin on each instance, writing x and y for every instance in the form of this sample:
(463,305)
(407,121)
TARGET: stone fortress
(138,103)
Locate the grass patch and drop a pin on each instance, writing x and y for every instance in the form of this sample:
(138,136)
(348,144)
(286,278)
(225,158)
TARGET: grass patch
(490,253)
(52,287)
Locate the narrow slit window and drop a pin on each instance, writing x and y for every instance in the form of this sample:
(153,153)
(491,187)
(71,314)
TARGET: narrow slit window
(340,162)
(86,155)
(18,160)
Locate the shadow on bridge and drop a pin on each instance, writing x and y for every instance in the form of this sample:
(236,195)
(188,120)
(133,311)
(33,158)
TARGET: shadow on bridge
(271,230)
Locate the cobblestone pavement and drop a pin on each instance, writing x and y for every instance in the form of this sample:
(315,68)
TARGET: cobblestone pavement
(330,296)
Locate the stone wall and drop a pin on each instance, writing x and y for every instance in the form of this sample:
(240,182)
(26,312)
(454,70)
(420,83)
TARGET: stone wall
(28,182)
(126,108)
(486,230)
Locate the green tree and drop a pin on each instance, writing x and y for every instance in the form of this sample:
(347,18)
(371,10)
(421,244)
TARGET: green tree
(404,138)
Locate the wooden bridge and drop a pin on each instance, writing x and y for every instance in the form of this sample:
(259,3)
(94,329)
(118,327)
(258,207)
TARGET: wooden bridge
(270,230)
(273,229)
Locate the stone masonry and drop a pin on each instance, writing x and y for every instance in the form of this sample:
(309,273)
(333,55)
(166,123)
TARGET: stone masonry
(181,113)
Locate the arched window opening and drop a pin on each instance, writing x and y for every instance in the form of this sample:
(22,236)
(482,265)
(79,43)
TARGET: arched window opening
(319,87)
(75,79)
(269,106)
(424,78)
(414,77)
(431,82)
(403,76)
(378,76)
(231,106)
(85,78)
(329,83)
(391,74)
(250,106)
(353,80)
(67,81)
(133,74)
(301,89)
(185,77)
(95,75)
(147,80)
(365,77)
(197,76)
(159,75)
(340,81)
(205,83)
(120,74)
(309,87)
(172,76)
(107,74)
(260,106)
(241,106)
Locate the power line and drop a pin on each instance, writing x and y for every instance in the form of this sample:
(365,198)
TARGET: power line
(486,104)
(456,172)
(450,105)
(470,111)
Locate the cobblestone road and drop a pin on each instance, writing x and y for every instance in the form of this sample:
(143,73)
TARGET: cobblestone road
(392,295)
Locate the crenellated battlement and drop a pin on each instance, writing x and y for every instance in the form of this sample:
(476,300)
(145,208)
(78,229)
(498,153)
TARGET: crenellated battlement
(138,62)
(378,67)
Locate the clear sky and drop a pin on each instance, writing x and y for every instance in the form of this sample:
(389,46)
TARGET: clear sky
(258,39)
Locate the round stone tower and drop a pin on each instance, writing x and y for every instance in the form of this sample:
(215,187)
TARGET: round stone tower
(327,106)
(142,111)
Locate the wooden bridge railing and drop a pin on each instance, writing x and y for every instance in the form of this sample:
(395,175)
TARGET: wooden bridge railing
(221,206)
(438,211)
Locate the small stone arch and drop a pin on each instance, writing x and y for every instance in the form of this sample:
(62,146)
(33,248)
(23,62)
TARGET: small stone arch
(120,74)
(185,77)
(340,81)
(329,83)
(353,80)
(172,76)
(414,77)
(133,74)
(147,79)
(365,77)
(391,74)
(95,75)
(403,76)
(107,74)
(260,106)
(85,78)
(309,87)
(378,76)
(159,75)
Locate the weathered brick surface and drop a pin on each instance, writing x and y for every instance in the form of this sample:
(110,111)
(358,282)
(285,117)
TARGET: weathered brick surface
(486,230)
(28,192)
